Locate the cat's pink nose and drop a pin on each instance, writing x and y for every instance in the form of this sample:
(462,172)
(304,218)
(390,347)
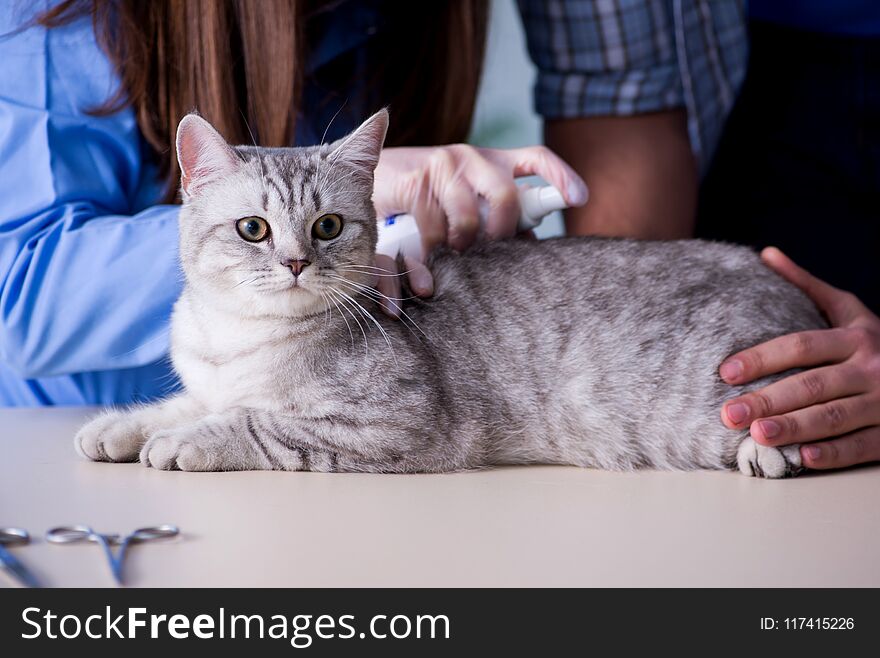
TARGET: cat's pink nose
(296,265)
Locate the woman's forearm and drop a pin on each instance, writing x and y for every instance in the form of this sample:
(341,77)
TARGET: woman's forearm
(640,170)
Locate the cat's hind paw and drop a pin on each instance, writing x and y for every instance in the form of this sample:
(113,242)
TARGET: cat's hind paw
(763,461)
(114,436)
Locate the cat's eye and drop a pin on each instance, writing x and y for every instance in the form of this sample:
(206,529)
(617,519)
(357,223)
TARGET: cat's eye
(327,227)
(252,229)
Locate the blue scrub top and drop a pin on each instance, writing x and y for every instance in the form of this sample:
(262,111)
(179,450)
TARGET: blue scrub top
(88,258)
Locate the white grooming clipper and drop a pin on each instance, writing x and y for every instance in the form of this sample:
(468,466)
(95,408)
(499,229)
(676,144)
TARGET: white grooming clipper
(399,234)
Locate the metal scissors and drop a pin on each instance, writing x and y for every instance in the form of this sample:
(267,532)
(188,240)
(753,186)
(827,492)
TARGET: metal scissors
(73,534)
(10,563)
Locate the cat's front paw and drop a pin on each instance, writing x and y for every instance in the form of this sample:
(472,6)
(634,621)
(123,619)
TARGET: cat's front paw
(179,449)
(764,461)
(198,447)
(114,436)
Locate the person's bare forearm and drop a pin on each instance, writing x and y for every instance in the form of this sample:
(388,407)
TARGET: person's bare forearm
(640,170)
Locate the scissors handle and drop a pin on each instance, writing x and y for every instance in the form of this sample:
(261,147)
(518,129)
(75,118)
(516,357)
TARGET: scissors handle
(141,535)
(14,536)
(69,534)
(77,533)
(165,531)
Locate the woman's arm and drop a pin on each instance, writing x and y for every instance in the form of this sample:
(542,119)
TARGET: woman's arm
(88,270)
(83,290)
(641,171)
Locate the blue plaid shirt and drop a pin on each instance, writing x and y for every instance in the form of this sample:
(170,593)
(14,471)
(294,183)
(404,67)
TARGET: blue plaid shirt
(625,57)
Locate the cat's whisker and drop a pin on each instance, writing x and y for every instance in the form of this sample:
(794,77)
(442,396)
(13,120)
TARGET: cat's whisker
(407,321)
(345,269)
(369,290)
(375,294)
(367,315)
(324,136)
(344,319)
(343,305)
(332,304)
(319,184)
(326,308)
(356,264)
(380,271)
(247,282)
(331,159)
(257,149)
(378,296)
(369,267)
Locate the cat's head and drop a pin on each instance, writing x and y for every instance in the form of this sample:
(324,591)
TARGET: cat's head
(277,231)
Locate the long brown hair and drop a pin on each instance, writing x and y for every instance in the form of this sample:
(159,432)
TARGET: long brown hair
(240,63)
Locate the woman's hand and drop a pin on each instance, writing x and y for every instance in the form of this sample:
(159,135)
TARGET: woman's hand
(443,188)
(833,409)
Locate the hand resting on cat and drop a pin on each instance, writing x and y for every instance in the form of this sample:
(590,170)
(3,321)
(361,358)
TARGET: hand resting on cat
(594,352)
(832,404)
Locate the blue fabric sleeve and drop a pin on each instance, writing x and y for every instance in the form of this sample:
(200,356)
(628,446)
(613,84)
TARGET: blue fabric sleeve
(88,265)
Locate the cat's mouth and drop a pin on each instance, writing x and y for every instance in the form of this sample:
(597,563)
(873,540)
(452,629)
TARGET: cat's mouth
(293,283)
(296,287)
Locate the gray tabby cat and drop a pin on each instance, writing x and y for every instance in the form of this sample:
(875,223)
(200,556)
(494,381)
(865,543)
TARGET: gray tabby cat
(585,351)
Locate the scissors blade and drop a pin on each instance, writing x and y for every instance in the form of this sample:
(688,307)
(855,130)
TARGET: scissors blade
(105,542)
(119,559)
(17,570)
(116,566)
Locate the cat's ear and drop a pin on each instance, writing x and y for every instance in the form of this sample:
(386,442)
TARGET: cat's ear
(202,152)
(362,147)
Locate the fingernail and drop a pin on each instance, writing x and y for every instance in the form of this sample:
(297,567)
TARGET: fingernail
(577,193)
(390,309)
(769,428)
(731,370)
(420,278)
(738,413)
(813,452)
